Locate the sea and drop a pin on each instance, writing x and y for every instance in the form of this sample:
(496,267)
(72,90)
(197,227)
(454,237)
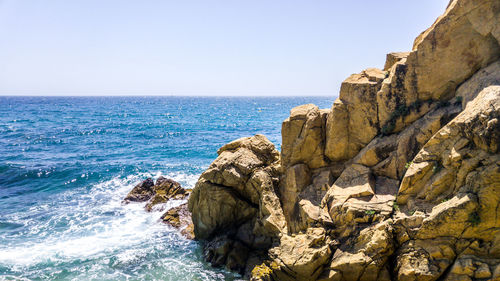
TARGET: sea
(66,163)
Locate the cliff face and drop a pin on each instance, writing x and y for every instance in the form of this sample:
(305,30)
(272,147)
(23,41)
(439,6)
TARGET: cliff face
(399,180)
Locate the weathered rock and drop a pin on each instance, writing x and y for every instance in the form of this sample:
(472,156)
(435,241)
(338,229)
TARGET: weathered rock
(223,251)
(238,187)
(352,122)
(309,211)
(164,190)
(461,41)
(271,220)
(237,163)
(296,178)
(393,58)
(424,259)
(141,192)
(216,208)
(330,211)
(390,156)
(358,197)
(488,76)
(363,257)
(300,257)
(303,137)
(180,218)
(459,196)
(453,153)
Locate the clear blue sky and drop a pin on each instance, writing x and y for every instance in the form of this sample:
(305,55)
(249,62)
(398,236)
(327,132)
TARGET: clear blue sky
(208,47)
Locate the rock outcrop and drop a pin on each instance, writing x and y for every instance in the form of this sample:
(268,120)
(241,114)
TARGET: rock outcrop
(399,180)
(180,218)
(156,193)
(235,200)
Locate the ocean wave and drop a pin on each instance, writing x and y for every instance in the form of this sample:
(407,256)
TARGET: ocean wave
(96,227)
(89,234)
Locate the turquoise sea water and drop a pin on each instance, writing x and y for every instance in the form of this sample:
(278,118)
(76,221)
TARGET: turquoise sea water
(67,162)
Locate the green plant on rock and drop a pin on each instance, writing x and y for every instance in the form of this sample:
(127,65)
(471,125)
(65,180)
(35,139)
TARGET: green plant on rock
(370,212)
(401,110)
(437,167)
(388,128)
(395,206)
(415,105)
(408,164)
(443,103)
(474,218)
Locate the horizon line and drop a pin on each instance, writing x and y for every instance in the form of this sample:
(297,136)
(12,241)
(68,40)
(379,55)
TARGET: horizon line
(178,95)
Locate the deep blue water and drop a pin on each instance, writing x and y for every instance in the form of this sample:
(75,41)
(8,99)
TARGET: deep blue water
(67,162)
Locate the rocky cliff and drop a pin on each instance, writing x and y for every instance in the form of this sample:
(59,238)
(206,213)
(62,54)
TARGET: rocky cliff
(399,180)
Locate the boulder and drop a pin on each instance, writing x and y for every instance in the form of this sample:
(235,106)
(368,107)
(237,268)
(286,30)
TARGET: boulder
(300,257)
(156,193)
(180,218)
(164,190)
(303,137)
(352,122)
(223,251)
(239,188)
(393,58)
(363,257)
(142,192)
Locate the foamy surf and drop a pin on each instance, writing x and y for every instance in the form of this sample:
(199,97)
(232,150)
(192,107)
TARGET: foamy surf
(93,225)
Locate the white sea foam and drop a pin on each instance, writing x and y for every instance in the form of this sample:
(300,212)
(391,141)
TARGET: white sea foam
(98,224)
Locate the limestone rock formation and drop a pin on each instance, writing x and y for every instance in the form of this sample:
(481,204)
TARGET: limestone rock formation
(399,180)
